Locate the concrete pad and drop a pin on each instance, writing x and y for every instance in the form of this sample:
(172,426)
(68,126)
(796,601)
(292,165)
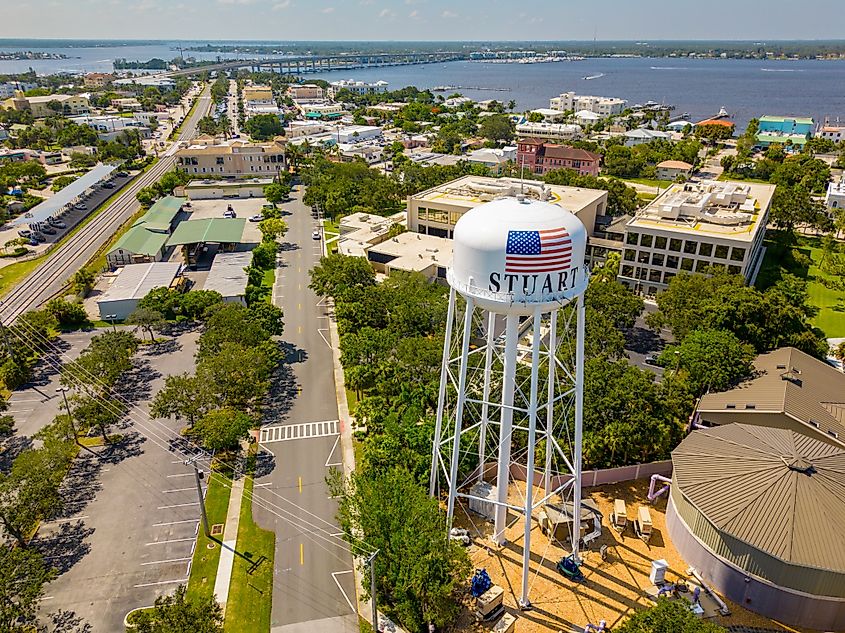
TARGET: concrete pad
(340,624)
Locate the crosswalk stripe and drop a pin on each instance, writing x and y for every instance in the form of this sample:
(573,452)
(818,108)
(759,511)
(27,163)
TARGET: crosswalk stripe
(306,430)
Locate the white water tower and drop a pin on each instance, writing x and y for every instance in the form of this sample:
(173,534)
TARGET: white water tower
(513,365)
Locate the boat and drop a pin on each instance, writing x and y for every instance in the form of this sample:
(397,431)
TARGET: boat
(594,76)
(723,114)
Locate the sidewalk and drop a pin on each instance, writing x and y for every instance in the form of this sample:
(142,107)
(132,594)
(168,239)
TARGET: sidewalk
(227,552)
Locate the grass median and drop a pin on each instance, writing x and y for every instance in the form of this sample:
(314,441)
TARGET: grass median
(250,600)
(206,559)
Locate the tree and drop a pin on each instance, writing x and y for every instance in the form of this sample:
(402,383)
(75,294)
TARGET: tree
(272,228)
(149,320)
(67,312)
(337,274)
(793,205)
(177,613)
(82,282)
(208,125)
(839,354)
(714,360)
(419,572)
(276,192)
(237,375)
(269,317)
(222,429)
(183,396)
(497,127)
(23,574)
(262,127)
(230,323)
(667,616)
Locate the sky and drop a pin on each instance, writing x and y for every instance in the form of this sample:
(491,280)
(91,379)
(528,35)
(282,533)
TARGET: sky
(420,19)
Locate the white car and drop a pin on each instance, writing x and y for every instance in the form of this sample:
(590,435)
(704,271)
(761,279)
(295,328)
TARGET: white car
(315,234)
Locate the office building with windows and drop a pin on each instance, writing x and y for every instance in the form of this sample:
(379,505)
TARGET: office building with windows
(694,226)
(233,158)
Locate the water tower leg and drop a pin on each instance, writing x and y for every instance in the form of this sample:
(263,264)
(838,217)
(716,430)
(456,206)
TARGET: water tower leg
(485,400)
(459,412)
(579,424)
(505,426)
(441,395)
(550,396)
(529,474)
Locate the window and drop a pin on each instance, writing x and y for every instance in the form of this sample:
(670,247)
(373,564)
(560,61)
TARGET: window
(657,259)
(642,257)
(654,275)
(632,238)
(645,240)
(441,217)
(701,265)
(219,160)
(627,271)
(667,277)
(814,423)
(671,261)
(737,254)
(675,245)
(705,249)
(641,273)
(630,254)
(660,243)
(734,270)
(686,263)
(690,247)
(721,251)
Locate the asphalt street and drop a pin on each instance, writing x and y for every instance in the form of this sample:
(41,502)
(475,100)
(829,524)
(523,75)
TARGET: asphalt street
(314,587)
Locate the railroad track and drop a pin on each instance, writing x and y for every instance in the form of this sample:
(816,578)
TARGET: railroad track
(52,275)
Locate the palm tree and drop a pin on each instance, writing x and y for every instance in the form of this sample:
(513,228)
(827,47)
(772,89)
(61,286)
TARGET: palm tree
(511,105)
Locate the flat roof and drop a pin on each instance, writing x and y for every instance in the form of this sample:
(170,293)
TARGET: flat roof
(415,252)
(226,184)
(227,275)
(215,230)
(780,119)
(134,281)
(721,209)
(65,196)
(470,191)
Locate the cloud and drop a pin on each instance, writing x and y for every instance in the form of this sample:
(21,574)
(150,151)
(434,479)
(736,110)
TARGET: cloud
(414,15)
(327,10)
(281,6)
(448,14)
(386,13)
(366,2)
(235,1)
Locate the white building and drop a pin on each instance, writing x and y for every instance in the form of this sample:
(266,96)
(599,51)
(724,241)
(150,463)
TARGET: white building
(143,80)
(228,276)
(357,133)
(603,106)
(7,89)
(550,115)
(356,87)
(835,198)
(317,110)
(132,284)
(110,127)
(644,135)
(554,131)
(832,131)
(587,117)
(693,226)
(456,102)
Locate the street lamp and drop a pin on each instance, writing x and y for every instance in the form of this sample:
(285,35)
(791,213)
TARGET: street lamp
(111,318)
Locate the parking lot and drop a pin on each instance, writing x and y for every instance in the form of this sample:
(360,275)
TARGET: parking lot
(131,511)
(243,207)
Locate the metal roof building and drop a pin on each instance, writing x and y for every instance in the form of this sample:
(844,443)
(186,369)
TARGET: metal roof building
(145,240)
(132,284)
(760,513)
(66,196)
(228,276)
(208,230)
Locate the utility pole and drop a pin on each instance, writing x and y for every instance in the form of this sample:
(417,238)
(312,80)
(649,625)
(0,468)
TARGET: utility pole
(198,477)
(371,561)
(63,391)
(111,318)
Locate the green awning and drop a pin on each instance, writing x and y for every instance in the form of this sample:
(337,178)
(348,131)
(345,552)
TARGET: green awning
(208,230)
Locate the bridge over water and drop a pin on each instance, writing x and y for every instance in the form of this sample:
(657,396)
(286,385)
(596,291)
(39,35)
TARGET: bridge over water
(307,64)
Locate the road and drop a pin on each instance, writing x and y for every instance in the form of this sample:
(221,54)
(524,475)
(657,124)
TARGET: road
(314,588)
(51,276)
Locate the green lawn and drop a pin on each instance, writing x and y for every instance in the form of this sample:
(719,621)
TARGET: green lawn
(831,303)
(267,283)
(250,598)
(724,176)
(205,562)
(12,274)
(648,182)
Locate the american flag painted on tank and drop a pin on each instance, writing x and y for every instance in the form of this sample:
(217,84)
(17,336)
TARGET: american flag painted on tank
(538,251)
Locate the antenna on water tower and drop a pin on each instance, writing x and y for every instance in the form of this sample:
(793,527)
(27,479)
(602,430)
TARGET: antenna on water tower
(519,269)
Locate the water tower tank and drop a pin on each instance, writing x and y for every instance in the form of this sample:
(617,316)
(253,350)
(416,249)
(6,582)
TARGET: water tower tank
(513,255)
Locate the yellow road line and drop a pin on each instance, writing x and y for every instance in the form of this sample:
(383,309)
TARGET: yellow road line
(300,485)
(301,554)
(299,306)
(300,329)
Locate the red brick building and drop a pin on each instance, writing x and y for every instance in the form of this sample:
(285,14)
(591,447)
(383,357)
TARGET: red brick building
(540,157)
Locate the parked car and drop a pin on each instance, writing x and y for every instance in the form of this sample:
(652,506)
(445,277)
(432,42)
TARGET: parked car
(108,185)
(229,214)
(81,206)
(256,218)
(315,234)
(49,230)
(32,242)
(25,233)
(653,360)
(39,237)
(121,174)
(58,224)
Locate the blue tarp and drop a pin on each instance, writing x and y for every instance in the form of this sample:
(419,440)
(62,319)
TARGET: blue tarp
(68,195)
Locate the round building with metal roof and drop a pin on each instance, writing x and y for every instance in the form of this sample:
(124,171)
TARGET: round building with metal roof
(760,513)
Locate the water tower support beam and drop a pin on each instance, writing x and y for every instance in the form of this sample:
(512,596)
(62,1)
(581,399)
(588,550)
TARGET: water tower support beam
(579,424)
(550,400)
(459,411)
(505,428)
(485,406)
(441,395)
(532,438)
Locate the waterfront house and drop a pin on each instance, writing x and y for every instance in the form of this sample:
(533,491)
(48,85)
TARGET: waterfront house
(540,157)
(780,130)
